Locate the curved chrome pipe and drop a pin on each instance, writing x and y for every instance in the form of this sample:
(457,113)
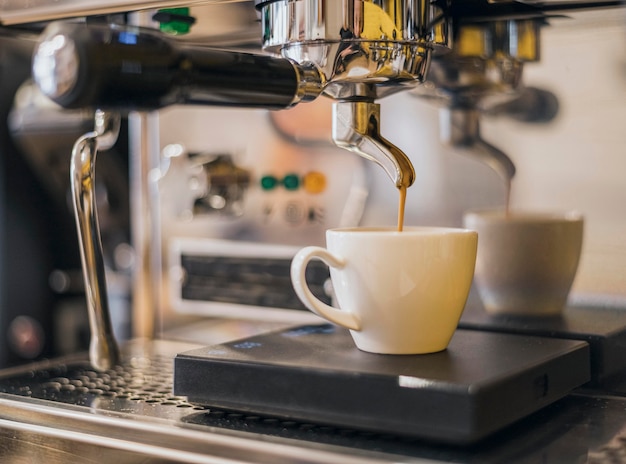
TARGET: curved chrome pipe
(356,127)
(460,128)
(103,349)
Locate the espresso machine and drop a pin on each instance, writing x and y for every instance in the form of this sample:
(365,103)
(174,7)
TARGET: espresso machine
(253,127)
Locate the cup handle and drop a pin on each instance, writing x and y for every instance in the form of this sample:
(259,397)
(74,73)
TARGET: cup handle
(298,279)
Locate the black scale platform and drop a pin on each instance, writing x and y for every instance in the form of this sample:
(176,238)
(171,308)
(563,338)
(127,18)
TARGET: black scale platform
(603,327)
(483,382)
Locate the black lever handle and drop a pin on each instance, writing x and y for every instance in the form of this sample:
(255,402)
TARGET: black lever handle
(130,68)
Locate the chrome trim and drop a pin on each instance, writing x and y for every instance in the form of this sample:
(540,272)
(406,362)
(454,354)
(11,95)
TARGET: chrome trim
(311,82)
(486,63)
(356,127)
(385,43)
(302,21)
(514,39)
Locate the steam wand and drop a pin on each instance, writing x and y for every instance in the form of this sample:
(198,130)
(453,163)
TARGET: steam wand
(460,128)
(103,349)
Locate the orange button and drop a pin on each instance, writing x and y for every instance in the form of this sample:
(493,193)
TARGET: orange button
(314,182)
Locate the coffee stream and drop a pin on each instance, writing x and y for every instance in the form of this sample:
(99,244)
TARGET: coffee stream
(401,204)
(507,198)
(404,182)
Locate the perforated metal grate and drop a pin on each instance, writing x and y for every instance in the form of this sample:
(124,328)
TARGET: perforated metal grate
(131,387)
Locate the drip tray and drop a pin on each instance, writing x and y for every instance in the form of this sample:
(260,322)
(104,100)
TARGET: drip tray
(483,382)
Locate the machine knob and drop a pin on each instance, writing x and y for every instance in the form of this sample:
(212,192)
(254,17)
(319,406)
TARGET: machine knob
(226,187)
(202,184)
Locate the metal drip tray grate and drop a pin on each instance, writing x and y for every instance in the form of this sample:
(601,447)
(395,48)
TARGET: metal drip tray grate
(151,382)
(142,384)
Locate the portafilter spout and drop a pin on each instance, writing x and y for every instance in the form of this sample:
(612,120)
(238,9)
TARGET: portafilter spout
(356,127)
(103,349)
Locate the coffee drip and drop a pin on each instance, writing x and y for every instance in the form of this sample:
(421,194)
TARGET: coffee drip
(401,207)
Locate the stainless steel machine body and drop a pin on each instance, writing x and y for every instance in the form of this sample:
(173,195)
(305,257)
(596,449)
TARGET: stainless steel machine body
(217,200)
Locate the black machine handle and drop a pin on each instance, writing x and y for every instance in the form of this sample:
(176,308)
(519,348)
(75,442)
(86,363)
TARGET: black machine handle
(121,67)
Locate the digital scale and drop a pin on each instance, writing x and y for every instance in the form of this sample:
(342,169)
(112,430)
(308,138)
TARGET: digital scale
(483,382)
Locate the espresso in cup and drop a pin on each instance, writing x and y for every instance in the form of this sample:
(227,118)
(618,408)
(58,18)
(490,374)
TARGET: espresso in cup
(526,261)
(397,292)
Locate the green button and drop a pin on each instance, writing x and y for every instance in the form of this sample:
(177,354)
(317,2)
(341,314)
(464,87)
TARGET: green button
(291,182)
(268,182)
(176,27)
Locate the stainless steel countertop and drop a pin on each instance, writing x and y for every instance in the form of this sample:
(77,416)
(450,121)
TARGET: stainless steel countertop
(130,416)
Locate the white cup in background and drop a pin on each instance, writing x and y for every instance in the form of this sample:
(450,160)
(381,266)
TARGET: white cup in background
(526,261)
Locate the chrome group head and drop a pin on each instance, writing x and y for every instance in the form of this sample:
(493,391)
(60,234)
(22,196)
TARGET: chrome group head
(365,49)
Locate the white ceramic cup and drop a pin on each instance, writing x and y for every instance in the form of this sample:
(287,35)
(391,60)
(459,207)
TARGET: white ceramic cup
(397,292)
(526,261)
